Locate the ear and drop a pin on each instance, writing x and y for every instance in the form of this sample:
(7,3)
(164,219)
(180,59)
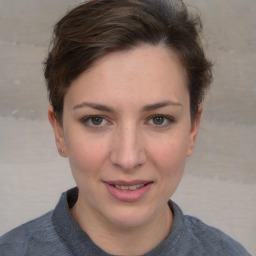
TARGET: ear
(58,132)
(194,131)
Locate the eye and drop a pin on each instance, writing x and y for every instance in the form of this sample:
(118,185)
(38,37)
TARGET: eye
(94,121)
(161,120)
(158,120)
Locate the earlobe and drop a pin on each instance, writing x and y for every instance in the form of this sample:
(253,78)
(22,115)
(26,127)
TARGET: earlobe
(194,131)
(58,132)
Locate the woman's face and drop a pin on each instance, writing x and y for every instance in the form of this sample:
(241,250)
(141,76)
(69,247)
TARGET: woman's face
(127,132)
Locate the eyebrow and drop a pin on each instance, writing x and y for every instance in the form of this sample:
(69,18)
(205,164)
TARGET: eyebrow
(146,108)
(94,106)
(160,105)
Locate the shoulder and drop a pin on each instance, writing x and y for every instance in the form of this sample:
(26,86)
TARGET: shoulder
(33,234)
(211,239)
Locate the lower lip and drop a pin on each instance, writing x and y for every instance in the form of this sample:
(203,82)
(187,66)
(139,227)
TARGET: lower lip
(128,195)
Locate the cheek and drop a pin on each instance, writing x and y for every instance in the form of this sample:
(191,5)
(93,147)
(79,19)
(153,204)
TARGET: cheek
(169,156)
(171,150)
(86,154)
(171,164)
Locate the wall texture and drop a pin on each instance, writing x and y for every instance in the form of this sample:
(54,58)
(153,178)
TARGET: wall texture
(219,183)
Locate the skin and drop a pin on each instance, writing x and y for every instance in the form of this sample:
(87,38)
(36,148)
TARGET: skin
(127,142)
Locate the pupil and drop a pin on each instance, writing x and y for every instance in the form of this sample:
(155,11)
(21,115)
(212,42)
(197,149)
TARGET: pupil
(158,120)
(97,120)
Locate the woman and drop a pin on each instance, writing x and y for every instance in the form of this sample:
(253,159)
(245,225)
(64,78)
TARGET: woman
(126,81)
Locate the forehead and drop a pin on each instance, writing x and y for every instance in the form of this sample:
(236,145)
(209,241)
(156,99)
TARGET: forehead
(141,73)
(139,59)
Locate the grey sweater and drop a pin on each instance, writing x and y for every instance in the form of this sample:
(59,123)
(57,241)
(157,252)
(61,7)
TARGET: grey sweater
(57,234)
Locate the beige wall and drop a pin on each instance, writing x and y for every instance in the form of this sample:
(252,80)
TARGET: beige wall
(219,184)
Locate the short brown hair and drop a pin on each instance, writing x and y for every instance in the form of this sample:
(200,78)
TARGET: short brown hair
(99,27)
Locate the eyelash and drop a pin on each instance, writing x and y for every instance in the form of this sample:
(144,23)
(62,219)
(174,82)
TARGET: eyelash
(87,121)
(169,119)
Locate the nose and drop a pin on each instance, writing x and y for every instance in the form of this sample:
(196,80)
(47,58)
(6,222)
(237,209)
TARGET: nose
(127,151)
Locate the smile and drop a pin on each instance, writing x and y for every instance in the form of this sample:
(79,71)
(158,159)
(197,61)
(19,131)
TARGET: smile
(134,187)
(128,191)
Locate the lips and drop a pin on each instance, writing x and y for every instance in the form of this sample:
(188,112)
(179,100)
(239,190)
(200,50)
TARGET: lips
(134,187)
(128,191)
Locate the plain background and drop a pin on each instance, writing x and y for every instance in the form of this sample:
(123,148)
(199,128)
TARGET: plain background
(219,184)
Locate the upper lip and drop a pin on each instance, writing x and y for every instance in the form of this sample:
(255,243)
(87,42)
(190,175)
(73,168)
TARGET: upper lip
(127,183)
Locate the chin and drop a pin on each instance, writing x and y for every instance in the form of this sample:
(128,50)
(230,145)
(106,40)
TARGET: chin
(129,218)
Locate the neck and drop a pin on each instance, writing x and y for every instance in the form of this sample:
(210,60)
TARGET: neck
(118,240)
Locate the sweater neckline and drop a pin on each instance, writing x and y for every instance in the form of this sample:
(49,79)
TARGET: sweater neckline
(79,243)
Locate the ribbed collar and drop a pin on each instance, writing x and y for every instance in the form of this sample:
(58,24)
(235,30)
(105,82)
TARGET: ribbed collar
(79,243)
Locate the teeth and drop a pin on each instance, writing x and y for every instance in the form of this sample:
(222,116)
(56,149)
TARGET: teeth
(134,187)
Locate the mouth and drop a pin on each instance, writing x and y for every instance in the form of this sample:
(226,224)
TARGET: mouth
(128,191)
(134,187)
(128,185)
